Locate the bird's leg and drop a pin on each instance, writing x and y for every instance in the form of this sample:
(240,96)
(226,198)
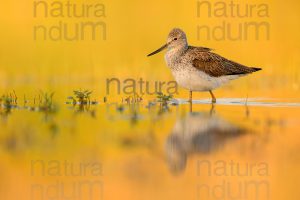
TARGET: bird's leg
(191,96)
(191,107)
(212,109)
(213,98)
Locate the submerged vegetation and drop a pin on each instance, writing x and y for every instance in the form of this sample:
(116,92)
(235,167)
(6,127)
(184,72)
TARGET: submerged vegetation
(43,102)
(7,103)
(8,100)
(133,99)
(128,108)
(81,97)
(131,110)
(81,101)
(163,98)
(132,106)
(46,102)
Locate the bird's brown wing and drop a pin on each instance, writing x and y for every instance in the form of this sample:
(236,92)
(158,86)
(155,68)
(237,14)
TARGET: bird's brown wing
(200,49)
(216,66)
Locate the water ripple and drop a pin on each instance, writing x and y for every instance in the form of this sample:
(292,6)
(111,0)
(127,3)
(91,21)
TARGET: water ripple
(265,102)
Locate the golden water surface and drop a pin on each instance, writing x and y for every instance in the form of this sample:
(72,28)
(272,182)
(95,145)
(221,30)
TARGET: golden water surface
(245,147)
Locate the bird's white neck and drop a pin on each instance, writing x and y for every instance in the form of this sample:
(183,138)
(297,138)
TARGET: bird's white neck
(173,53)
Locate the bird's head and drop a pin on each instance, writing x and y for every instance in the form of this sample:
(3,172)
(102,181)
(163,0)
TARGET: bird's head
(176,40)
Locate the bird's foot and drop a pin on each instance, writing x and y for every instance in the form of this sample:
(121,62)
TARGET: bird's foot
(213,100)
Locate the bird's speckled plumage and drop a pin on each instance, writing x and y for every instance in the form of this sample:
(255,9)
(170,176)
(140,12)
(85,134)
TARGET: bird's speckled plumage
(198,68)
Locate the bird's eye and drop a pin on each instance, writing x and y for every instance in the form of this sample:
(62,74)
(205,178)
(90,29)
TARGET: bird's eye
(175,38)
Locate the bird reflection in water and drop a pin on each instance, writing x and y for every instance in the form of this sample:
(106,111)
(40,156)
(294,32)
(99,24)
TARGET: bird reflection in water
(197,133)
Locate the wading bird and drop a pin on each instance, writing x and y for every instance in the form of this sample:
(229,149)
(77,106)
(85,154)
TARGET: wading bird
(198,68)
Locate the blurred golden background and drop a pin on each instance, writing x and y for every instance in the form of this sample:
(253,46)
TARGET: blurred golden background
(132,146)
(135,28)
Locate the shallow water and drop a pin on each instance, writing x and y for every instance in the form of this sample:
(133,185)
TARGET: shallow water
(271,102)
(233,150)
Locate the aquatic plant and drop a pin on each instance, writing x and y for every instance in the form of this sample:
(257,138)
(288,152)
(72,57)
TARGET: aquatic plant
(133,99)
(120,108)
(7,103)
(9,99)
(25,100)
(46,102)
(163,98)
(81,100)
(81,97)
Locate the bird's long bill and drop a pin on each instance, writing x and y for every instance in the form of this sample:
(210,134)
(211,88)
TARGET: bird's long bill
(158,50)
